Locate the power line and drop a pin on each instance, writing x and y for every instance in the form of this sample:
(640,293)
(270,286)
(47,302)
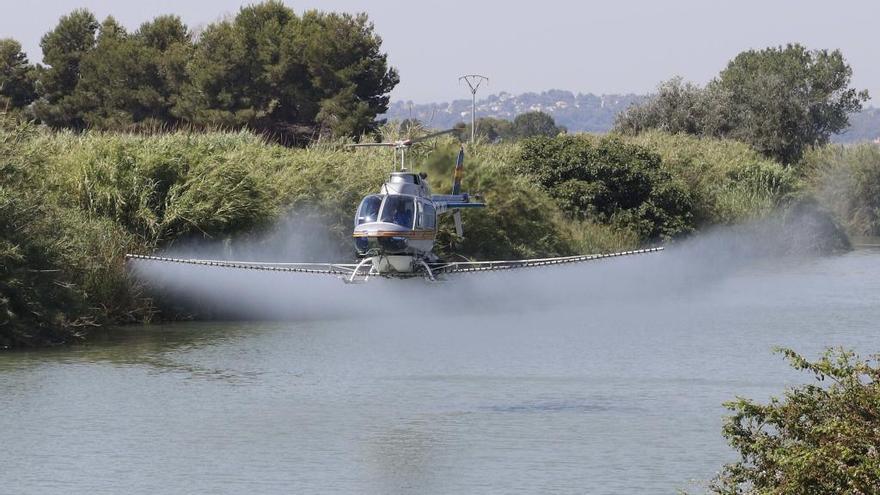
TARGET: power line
(473,81)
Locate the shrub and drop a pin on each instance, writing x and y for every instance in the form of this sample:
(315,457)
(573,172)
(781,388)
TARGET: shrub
(819,438)
(610,181)
(521,220)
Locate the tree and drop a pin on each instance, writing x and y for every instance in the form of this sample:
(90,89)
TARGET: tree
(63,49)
(128,80)
(531,124)
(17,88)
(488,128)
(163,33)
(109,75)
(678,107)
(780,101)
(492,129)
(349,75)
(784,100)
(267,69)
(817,439)
(238,75)
(276,72)
(168,43)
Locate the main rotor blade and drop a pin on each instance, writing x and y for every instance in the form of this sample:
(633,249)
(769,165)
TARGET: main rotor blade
(404,143)
(434,134)
(364,145)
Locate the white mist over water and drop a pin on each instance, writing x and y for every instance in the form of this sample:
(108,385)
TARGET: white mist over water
(689,268)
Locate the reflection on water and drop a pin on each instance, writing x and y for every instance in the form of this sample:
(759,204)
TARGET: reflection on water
(158,348)
(615,396)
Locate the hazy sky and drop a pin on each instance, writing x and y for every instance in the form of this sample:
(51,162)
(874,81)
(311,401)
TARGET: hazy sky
(600,47)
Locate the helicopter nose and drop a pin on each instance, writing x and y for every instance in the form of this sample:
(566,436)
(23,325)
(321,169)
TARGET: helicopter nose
(380,244)
(362,244)
(381,238)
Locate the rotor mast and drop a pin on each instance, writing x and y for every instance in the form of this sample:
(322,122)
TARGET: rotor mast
(473,81)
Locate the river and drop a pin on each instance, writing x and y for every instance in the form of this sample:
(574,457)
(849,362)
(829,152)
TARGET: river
(582,397)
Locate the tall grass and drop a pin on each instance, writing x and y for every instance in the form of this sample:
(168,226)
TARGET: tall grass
(846,180)
(73,204)
(731,182)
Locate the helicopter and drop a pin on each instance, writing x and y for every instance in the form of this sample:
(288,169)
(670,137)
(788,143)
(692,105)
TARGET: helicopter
(395,230)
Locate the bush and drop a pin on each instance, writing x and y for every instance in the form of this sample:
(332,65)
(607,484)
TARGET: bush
(533,124)
(819,438)
(678,108)
(609,181)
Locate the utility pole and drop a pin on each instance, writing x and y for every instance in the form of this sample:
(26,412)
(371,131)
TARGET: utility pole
(473,81)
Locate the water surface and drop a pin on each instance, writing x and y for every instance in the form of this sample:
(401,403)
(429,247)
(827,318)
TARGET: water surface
(619,395)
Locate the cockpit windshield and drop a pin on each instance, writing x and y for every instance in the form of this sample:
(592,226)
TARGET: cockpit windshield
(368,211)
(399,210)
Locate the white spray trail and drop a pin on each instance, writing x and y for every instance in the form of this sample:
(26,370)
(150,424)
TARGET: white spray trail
(689,267)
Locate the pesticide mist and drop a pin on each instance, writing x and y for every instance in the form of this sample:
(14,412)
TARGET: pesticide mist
(688,268)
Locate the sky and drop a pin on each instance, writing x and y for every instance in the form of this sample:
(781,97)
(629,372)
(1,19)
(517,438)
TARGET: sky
(621,46)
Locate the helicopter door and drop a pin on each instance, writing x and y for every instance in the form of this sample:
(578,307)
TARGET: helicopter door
(400,210)
(427,216)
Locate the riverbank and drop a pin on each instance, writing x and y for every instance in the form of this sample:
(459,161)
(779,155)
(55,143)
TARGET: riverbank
(71,205)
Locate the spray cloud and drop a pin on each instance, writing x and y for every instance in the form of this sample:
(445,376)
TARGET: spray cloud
(688,267)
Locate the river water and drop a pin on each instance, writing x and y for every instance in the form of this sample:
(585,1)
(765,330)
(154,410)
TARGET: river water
(621,394)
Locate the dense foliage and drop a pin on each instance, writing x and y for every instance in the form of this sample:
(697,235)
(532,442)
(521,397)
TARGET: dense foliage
(74,203)
(60,268)
(781,101)
(678,107)
(610,181)
(820,438)
(728,182)
(292,77)
(847,180)
(16,77)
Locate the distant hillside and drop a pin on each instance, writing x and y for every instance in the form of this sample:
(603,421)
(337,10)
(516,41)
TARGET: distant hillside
(581,112)
(577,112)
(864,126)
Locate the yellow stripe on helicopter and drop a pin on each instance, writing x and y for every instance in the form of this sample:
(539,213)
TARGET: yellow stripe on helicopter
(416,235)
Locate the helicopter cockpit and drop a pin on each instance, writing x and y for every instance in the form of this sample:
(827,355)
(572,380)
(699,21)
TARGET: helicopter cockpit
(395,224)
(368,211)
(399,210)
(405,211)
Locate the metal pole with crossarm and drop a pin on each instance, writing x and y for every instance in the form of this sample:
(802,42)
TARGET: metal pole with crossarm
(473,81)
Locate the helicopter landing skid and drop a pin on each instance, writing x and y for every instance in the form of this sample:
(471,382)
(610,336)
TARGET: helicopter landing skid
(356,276)
(390,267)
